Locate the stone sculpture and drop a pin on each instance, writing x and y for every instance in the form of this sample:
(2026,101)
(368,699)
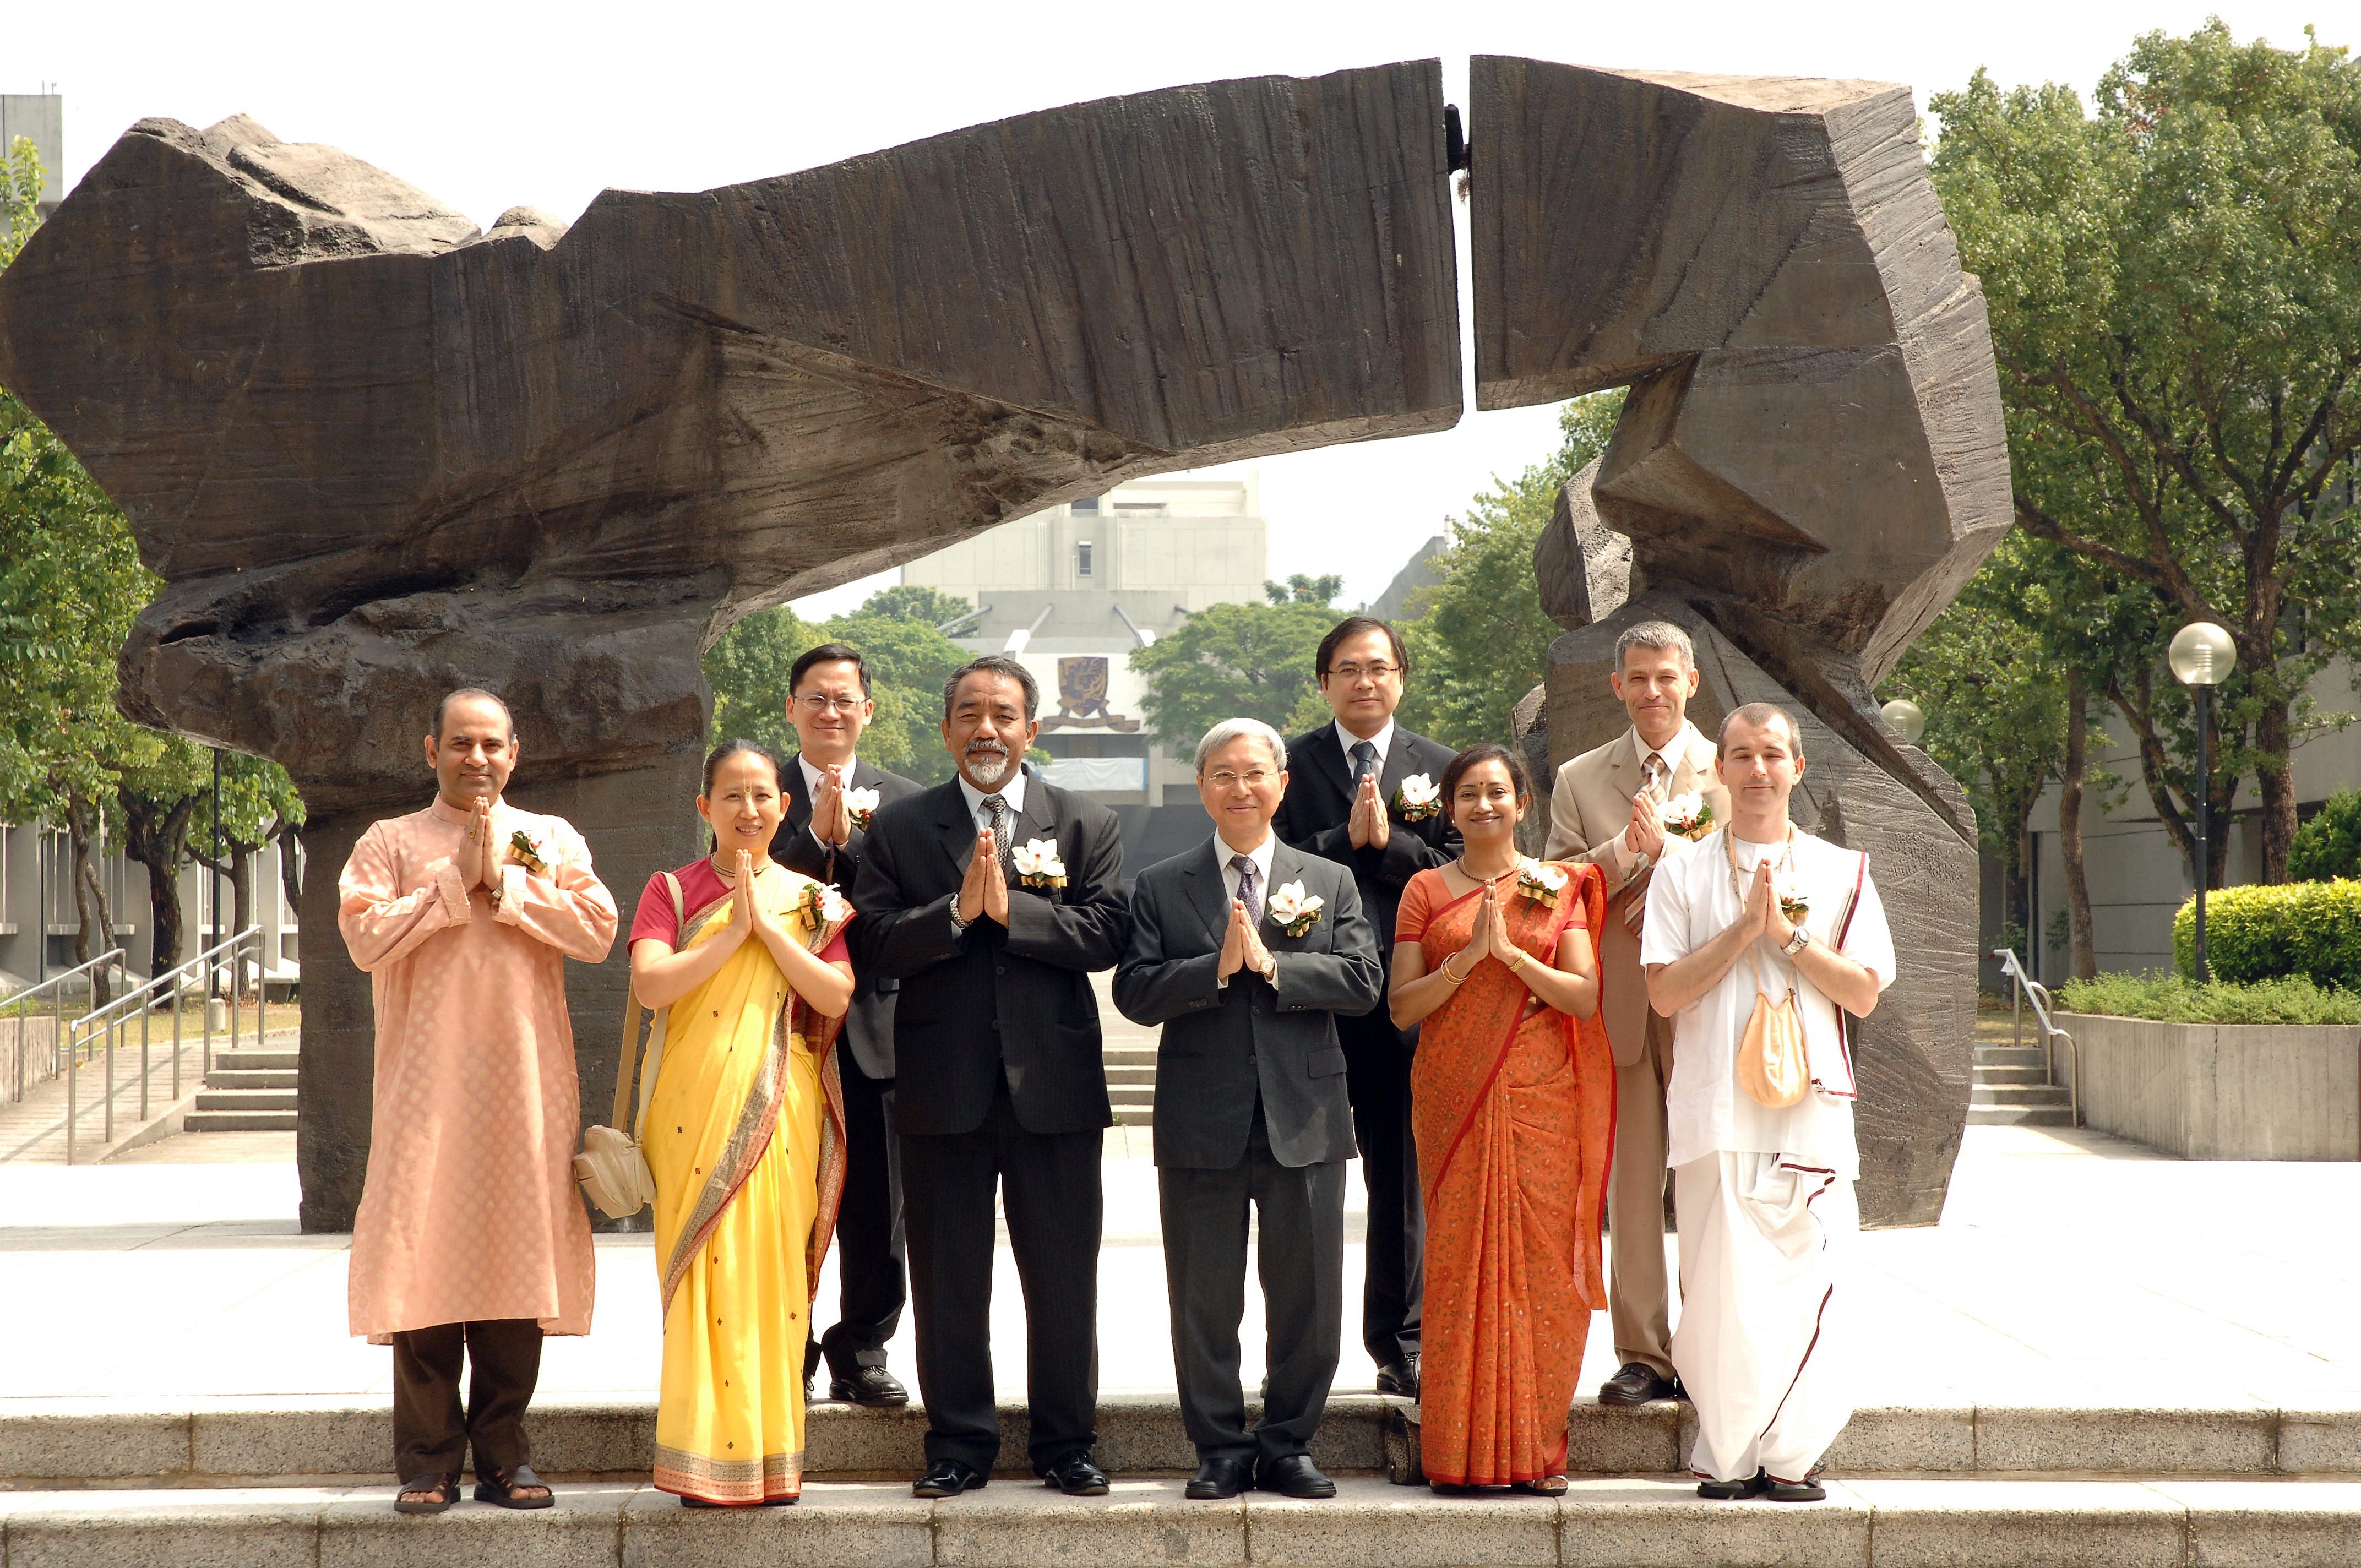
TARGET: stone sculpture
(1809,463)
(375,455)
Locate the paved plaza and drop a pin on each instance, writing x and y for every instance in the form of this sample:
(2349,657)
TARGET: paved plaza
(2070,1270)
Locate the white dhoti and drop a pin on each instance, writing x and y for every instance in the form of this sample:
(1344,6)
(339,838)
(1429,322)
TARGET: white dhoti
(1766,1245)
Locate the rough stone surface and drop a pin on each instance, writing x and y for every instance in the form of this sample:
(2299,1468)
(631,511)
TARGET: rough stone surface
(1810,460)
(1629,1523)
(2131,1442)
(375,455)
(1912,1053)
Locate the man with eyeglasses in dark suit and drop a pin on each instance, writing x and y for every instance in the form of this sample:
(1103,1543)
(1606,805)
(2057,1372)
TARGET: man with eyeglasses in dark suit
(831,793)
(1363,792)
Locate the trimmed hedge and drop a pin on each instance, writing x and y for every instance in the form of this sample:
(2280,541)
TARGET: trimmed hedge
(2311,929)
(2168,997)
(2327,847)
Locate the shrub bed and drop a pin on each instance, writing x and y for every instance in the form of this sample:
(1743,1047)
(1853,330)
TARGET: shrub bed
(2173,999)
(2306,928)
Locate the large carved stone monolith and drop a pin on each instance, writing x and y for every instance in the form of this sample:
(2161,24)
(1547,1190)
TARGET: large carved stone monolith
(375,455)
(1809,464)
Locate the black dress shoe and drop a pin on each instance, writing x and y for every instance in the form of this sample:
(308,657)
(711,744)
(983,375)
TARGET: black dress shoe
(1635,1385)
(1076,1477)
(948,1478)
(1400,1377)
(1730,1491)
(1294,1476)
(1808,1490)
(1219,1477)
(872,1388)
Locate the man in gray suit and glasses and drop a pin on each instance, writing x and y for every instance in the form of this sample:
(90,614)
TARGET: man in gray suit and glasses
(1246,951)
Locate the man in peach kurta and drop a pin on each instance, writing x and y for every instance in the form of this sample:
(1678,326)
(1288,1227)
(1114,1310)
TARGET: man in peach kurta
(470,1234)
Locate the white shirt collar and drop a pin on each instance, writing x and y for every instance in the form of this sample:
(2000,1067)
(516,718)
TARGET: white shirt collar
(811,773)
(1012,792)
(1671,750)
(1383,741)
(1260,855)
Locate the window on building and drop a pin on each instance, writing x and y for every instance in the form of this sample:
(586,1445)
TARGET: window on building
(1082,558)
(1143,509)
(1087,504)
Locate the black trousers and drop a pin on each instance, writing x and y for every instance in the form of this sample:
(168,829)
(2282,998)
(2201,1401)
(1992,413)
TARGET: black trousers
(1393,1286)
(869,1251)
(1049,1184)
(431,1434)
(1300,1255)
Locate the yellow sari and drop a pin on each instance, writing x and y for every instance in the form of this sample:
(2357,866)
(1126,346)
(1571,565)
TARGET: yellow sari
(744,1135)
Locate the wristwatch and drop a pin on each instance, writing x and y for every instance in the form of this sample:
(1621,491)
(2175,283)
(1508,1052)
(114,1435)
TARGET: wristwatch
(1796,943)
(1270,969)
(958,924)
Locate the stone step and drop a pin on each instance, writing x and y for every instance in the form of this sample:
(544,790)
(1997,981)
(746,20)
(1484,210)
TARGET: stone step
(50,1442)
(1131,1094)
(1865,1523)
(2020,1116)
(251,1078)
(238,1121)
(1134,1115)
(1129,1055)
(2009,1056)
(1144,1075)
(2035,1074)
(211,1099)
(2028,1095)
(257,1060)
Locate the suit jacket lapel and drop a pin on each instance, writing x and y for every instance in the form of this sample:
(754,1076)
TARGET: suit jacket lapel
(799,806)
(1208,889)
(1625,767)
(957,826)
(1318,756)
(1039,819)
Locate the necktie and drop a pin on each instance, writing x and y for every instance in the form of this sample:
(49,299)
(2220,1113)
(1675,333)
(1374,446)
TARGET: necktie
(1365,762)
(998,805)
(1653,784)
(1248,894)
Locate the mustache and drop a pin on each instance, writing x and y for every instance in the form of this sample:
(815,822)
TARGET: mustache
(985,743)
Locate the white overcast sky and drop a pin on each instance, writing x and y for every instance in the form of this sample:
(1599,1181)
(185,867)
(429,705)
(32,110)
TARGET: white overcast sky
(489,104)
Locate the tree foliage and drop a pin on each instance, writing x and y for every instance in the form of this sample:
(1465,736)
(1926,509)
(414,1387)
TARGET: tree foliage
(2329,845)
(906,658)
(2175,299)
(1299,588)
(1234,661)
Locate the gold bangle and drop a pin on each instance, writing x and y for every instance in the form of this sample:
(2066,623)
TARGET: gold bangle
(1518,966)
(1455,979)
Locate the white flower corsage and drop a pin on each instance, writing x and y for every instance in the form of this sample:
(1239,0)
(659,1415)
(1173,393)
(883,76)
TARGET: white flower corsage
(1038,864)
(1418,799)
(527,853)
(1686,815)
(822,906)
(1794,903)
(1540,882)
(861,804)
(1292,910)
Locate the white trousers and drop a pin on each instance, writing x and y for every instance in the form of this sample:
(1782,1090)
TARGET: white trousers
(1765,1250)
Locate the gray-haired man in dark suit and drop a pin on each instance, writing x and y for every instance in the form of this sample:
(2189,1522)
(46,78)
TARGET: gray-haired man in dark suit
(1246,951)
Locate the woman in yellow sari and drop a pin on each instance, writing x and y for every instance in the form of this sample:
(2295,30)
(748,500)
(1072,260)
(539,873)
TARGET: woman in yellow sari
(1513,1096)
(744,1134)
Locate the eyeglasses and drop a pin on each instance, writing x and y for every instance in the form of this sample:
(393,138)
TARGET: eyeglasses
(815,705)
(1253,778)
(1375,672)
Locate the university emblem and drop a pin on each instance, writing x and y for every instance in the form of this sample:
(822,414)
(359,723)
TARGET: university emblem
(1082,696)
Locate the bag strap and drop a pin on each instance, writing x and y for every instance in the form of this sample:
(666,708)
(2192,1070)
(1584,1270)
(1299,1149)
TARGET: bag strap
(627,1066)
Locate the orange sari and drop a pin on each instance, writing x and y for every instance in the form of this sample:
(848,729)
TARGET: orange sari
(1513,1108)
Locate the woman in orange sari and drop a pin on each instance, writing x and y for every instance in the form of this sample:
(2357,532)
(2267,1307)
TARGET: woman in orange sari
(1512,1099)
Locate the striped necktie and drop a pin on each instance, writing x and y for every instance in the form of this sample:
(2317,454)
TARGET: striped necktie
(998,805)
(1248,894)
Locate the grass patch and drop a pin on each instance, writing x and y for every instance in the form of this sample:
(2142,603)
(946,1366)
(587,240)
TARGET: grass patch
(2171,999)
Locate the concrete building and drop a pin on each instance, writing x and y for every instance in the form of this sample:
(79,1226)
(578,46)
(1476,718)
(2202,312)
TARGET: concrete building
(2138,878)
(38,919)
(1399,603)
(1073,590)
(40,117)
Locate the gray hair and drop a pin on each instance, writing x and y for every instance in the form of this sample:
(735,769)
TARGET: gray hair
(1230,729)
(1659,635)
(989,665)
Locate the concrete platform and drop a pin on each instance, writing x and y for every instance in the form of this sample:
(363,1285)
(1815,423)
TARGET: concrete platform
(1624,1522)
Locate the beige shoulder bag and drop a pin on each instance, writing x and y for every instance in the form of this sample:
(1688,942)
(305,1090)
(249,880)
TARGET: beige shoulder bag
(1772,1065)
(613,1172)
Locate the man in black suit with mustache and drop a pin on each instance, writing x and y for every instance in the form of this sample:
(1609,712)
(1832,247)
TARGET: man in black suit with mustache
(1001,1081)
(831,794)
(1344,802)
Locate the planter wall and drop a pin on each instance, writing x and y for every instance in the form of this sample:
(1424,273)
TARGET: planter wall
(2221,1090)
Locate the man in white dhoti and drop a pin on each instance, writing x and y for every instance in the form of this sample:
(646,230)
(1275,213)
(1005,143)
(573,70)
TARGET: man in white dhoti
(1764,1196)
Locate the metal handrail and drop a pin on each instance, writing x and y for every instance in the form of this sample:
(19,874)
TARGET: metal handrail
(116,1015)
(2028,988)
(56,985)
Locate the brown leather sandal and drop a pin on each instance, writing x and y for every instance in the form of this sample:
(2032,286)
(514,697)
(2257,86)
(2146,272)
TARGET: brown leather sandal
(500,1488)
(434,1492)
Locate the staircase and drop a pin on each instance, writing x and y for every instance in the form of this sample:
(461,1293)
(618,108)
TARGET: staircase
(2009,1091)
(250,1091)
(1131,1083)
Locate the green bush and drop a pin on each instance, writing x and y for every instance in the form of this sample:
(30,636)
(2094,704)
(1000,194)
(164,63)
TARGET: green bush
(2293,1000)
(2306,928)
(2327,847)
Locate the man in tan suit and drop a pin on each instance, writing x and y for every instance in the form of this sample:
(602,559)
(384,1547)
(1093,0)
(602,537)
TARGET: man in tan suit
(1603,810)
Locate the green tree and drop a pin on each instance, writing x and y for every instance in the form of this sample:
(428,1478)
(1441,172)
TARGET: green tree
(1481,639)
(2176,309)
(1232,661)
(259,806)
(158,798)
(2329,845)
(1321,590)
(915,601)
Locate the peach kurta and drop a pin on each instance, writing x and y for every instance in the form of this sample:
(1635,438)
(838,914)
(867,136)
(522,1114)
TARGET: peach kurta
(470,1210)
